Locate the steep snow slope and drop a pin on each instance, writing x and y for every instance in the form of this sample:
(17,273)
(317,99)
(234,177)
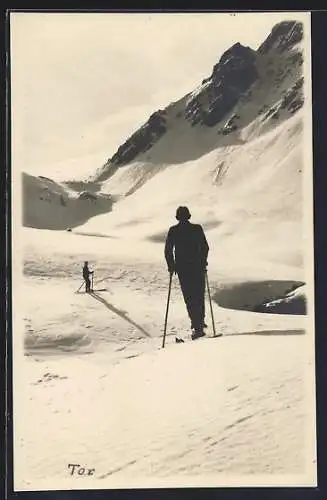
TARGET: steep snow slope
(250,193)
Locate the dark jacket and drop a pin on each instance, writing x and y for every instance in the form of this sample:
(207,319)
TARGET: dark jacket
(186,247)
(86,272)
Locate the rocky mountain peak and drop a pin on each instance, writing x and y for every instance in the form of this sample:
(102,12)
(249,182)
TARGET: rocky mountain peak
(236,52)
(272,74)
(231,76)
(283,36)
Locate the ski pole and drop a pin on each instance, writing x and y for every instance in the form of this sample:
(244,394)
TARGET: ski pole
(213,321)
(167,308)
(92,283)
(80,287)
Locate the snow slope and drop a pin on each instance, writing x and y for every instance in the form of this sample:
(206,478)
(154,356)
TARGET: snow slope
(51,205)
(192,414)
(249,195)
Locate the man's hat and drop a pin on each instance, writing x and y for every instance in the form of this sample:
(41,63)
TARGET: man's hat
(183,213)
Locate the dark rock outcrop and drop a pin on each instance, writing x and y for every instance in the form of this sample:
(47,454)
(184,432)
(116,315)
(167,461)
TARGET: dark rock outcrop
(142,140)
(231,77)
(86,195)
(294,98)
(283,36)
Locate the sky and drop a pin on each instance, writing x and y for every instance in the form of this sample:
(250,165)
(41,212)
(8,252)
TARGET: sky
(81,83)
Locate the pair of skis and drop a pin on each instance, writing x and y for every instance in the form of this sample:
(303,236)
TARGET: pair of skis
(178,339)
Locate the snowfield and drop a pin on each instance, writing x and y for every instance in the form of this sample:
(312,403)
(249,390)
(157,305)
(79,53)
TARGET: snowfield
(206,415)
(98,390)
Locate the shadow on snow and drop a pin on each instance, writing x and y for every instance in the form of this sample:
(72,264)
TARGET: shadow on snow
(119,312)
(270,296)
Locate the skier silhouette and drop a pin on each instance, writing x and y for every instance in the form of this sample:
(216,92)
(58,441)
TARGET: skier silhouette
(86,276)
(186,253)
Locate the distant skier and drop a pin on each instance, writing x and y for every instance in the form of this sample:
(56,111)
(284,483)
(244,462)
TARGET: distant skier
(186,253)
(86,276)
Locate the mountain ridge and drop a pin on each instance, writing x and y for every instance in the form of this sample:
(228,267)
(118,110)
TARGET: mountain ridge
(238,71)
(239,173)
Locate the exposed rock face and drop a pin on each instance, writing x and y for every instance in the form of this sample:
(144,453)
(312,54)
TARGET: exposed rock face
(142,139)
(269,80)
(234,74)
(294,99)
(283,36)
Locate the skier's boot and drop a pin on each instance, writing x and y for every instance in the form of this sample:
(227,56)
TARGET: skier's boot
(197,333)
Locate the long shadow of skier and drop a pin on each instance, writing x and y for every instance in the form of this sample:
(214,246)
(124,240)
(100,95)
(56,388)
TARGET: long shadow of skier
(120,313)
